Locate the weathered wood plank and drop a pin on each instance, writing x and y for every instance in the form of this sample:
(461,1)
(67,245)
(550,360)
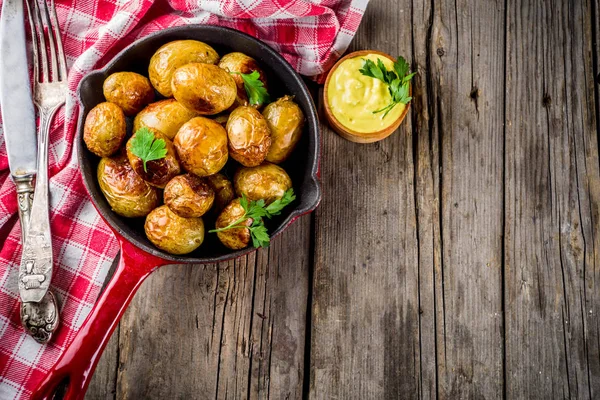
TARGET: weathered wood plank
(426,146)
(103,385)
(552,200)
(466,51)
(365,323)
(232,331)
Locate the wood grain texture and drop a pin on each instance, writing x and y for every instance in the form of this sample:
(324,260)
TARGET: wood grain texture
(552,200)
(230,331)
(104,382)
(365,319)
(467,72)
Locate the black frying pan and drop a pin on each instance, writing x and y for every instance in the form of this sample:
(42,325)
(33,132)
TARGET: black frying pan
(138,256)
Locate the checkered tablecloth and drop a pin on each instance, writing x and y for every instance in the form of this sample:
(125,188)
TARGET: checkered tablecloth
(310,34)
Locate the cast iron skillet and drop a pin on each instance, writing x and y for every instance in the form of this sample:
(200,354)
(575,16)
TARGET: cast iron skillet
(138,256)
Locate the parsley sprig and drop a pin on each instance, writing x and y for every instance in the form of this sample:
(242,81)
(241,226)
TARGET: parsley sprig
(147,147)
(255,88)
(398,80)
(257,210)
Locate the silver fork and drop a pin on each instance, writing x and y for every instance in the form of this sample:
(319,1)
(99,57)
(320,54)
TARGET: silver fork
(39,314)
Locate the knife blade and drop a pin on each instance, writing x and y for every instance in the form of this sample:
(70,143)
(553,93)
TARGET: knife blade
(16,104)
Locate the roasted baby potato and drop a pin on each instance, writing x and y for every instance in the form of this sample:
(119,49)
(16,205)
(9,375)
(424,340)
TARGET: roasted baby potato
(158,172)
(166,116)
(223,189)
(249,136)
(204,88)
(172,233)
(237,238)
(189,196)
(127,194)
(174,55)
(286,120)
(201,144)
(128,90)
(267,181)
(239,62)
(104,129)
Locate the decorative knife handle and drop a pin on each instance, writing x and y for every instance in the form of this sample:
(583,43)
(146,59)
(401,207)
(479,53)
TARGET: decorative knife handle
(36,262)
(24,185)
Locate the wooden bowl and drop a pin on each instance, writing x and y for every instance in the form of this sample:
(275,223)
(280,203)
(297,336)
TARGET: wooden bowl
(350,134)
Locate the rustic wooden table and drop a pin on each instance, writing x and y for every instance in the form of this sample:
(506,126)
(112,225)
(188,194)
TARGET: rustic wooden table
(458,258)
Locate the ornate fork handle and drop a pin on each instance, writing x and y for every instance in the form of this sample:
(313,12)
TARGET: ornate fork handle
(36,262)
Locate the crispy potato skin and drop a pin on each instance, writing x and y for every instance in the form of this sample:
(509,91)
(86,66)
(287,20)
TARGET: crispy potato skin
(223,189)
(237,238)
(174,55)
(189,196)
(172,233)
(127,194)
(286,120)
(128,90)
(204,88)
(104,129)
(239,62)
(249,136)
(201,144)
(159,172)
(166,116)
(267,181)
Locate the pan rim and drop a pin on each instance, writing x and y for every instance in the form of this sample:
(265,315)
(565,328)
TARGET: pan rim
(312,121)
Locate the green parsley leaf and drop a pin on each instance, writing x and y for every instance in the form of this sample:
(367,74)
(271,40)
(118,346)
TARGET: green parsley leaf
(398,80)
(256,210)
(275,207)
(259,235)
(255,88)
(147,147)
(401,67)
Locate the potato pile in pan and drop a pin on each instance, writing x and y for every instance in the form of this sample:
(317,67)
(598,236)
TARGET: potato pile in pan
(194,114)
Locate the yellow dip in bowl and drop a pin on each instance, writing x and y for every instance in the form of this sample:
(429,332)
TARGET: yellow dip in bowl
(351,99)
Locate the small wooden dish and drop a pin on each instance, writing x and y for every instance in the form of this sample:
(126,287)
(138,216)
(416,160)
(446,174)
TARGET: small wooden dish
(347,133)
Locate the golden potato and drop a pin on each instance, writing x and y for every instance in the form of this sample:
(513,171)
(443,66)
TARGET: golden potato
(128,90)
(204,88)
(201,144)
(239,62)
(104,129)
(249,136)
(174,55)
(172,233)
(223,189)
(189,196)
(158,172)
(166,116)
(286,120)
(237,238)
(267,181)
(127,194)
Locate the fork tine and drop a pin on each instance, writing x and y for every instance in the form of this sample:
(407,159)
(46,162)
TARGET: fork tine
(40,31)
(59,46)
(46,19)
(36,61)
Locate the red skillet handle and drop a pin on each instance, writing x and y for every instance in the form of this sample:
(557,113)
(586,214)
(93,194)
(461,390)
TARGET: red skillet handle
(79,360)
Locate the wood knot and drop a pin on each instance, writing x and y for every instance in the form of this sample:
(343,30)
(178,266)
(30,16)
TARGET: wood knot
(474,93)
(546,100)
(440,51)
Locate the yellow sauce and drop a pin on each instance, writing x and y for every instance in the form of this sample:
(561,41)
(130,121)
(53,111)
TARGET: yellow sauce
(353,96)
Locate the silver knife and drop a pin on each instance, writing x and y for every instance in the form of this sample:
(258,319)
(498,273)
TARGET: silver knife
(18,115)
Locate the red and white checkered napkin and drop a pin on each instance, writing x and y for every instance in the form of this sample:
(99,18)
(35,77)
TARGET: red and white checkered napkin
(310,34)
